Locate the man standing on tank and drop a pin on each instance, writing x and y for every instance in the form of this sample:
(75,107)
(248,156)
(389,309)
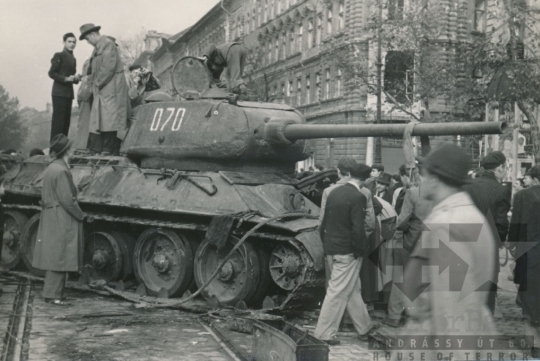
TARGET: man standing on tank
(231,56)
(62,71)
(343,234)
(58,247)
(110,107)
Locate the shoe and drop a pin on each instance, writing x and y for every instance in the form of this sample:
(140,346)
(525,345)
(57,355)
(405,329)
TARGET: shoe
(374,327)
(57,302)
(332,342)
(392,322)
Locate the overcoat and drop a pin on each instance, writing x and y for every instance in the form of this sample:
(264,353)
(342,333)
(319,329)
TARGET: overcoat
(110,108)
(60,233)
(85,108)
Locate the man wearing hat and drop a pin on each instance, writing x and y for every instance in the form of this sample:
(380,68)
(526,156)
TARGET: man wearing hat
(59,240)
(452,263)
(62,71)
(493,200)
(383,182)
(343,235)
(110,106)
(525,232)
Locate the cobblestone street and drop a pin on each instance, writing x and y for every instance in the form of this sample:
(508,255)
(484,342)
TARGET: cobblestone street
(103,328)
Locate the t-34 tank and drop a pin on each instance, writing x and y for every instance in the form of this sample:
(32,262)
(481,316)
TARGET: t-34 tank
(195,175)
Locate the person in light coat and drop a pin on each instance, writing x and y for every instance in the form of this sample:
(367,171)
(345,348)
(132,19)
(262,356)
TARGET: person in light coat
(110,107)
(59,244)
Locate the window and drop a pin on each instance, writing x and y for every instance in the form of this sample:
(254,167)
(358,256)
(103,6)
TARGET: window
(292,42)
(254,22)
(329,20)
(275,95)
(276,49)
(341,15)
(317,87)
(269,53)
(298,91)
(318,31)
(395,10)
(327,85)
(248,23)
(480,15)
(398,74)
(289,91)
(278,11)
(271,10)
(308,89)
(338,83)
(265,11)
(282,93)
(283,46)
(300,37)
(260,16)
(310,34)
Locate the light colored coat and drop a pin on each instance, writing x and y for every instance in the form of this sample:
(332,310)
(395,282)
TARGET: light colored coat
(110,108)
(60,234)
(447,307)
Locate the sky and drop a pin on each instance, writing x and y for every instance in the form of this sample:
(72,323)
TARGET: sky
(31,32)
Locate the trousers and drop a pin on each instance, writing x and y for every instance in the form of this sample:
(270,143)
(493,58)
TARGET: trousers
(343,293)
(61,116)
(103,142)
(53,286)
(236,59)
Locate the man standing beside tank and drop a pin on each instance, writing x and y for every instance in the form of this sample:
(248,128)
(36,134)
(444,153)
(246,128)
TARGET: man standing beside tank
(58,247)
(62,71)
(493,200)
(343,234)
(231,56)
(110,107)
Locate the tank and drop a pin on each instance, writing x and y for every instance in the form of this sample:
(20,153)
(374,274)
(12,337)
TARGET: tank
(194,176)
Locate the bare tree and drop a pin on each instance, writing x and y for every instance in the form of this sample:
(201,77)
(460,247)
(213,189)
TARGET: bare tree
(131,47)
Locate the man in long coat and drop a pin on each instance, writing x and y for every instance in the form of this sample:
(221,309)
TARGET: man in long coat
(525,234)
(59,241)
(110,107)
(493,200)
(452,254)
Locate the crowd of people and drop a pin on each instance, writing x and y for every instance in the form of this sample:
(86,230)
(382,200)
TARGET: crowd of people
(383,234)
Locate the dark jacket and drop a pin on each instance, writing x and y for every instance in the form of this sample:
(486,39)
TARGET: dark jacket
(217,55)
(342,228)
(63,65)
(490,196)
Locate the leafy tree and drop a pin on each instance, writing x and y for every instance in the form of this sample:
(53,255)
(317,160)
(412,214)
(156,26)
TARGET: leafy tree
(131,48)
(12,132)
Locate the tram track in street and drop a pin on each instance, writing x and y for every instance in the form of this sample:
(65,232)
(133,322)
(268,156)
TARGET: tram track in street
(15,339)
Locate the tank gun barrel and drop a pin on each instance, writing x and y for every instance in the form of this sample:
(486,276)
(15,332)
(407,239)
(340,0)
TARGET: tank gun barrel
(294,132)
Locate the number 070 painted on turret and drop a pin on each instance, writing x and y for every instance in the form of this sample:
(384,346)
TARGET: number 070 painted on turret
(169,113)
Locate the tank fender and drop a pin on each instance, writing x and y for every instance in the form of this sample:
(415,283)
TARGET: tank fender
(313,243)
(219,229)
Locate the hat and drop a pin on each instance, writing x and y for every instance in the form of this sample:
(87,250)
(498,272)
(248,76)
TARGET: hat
(360,171)
(346,164)
(449,162)
(534,172)
(384,178)
(59,144)
(493,160)
(88,28)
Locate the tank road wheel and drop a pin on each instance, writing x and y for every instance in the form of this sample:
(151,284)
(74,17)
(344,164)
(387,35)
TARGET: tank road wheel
(14,223)
(286,266)
(163,259)
(263,286)
(108,255)
(28,243)
(238,278)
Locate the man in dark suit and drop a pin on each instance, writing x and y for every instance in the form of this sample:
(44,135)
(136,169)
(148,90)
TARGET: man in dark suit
(343,234)
(63,69)
(525,232)
(493,200)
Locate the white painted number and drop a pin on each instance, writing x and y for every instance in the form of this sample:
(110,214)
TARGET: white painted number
(177,122)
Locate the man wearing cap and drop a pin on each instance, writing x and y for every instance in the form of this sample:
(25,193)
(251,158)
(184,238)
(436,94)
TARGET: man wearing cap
(343,234)
(59,240)
(525,234)
(62,71)
(448,273)
(110,106)
(493,200)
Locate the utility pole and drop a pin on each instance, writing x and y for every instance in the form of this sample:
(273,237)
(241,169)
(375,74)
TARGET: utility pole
(377,153)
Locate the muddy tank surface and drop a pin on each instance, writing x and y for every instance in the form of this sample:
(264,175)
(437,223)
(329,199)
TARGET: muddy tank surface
(194,177)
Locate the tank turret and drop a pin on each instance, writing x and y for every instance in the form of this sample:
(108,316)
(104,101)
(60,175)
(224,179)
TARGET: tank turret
(213,130)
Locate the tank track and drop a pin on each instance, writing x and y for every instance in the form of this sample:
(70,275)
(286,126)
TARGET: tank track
(312,280)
